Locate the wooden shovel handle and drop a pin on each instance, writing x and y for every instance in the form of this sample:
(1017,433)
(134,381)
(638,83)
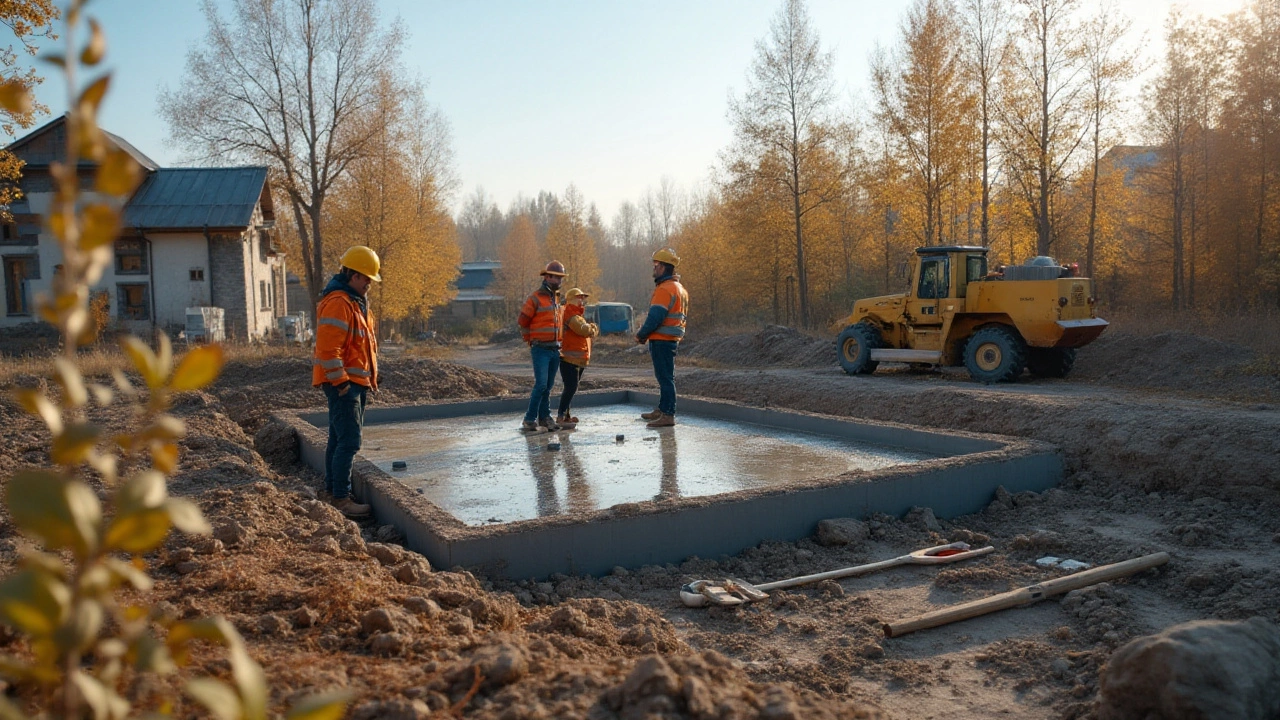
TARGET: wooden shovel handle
(1024,596)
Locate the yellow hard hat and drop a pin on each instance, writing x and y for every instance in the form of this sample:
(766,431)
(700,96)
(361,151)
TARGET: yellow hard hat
(575,292)
(668,256)
(363,260)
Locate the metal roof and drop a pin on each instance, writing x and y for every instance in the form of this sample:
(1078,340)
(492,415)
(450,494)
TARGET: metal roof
(196,198)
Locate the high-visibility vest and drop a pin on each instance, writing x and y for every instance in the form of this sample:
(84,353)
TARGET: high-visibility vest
(671,296)
(346,348)
(575,348)
(540,317)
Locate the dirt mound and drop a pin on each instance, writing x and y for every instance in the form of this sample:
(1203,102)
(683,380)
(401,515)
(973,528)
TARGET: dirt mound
(774,346)
(1178,361)
(253,389)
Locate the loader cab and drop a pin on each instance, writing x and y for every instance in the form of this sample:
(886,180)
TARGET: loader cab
(945,271)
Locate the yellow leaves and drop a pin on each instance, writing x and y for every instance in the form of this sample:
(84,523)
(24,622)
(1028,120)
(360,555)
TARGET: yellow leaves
(34,602)
(101,223)
(145,513)
(15,97)
(74,444)
(145,361)
(62,512)
(35,402)
(198,368)
(97,45)
(118,174)
(325,706)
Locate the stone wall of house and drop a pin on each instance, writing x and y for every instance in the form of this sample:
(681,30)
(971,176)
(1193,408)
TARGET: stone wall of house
(227,256)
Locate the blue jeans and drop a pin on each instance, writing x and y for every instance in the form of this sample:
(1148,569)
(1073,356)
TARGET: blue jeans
(663,353)
(546,361)
(346,420)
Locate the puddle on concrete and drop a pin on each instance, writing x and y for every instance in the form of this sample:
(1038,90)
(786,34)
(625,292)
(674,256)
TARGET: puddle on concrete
(482,469)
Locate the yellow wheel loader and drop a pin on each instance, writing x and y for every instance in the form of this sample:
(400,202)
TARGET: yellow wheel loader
(996,324)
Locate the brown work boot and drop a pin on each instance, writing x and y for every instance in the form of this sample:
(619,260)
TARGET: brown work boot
(651,415)
(549,424)
(352,509)
(663,420)
(566,422)
(527,426)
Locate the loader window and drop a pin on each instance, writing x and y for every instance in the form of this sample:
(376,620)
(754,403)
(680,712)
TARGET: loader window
(975,268)
(934,278)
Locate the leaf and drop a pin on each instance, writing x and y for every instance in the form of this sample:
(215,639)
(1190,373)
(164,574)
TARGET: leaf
(101,222)
(164,456)
(164,427)
(144,491)
(186,516)
(102,394)
(36,403)
(249,680)
(97,47)
(9,711)
(94,693)
(126,572)
(92,96)
(73,445)
(44,562)
(74,393)
(144,361)
(153,656)
(118,174)
(138,532)
(15,98)
(62,512)
(55,60)
(324,706)
(81,627)
(217,697)
(126,388)
(33,602)
(198,368)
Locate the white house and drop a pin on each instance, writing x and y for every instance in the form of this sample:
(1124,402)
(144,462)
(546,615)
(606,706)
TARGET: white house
(191,237)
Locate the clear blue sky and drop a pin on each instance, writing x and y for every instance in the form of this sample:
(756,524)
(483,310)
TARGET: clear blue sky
(609,95)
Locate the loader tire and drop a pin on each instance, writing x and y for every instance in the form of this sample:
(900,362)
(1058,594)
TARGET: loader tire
(1050,362)
(994,354)
(854,348)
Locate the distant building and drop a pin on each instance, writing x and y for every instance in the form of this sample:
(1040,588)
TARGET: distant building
(191,237)
(476,297)
(1132,159)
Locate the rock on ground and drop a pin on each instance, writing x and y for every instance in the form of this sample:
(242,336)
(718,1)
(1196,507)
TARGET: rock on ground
(1196,671)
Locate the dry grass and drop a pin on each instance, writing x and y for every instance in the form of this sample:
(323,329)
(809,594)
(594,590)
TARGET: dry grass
(99,360)
(1258,330)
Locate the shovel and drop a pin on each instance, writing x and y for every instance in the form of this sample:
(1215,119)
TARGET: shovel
(729,592)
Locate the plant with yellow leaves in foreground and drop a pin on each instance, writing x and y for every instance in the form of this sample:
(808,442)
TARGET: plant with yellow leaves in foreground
(88,651)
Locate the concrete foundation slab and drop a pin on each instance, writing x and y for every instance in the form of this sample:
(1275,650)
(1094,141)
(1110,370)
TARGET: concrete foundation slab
(953,473)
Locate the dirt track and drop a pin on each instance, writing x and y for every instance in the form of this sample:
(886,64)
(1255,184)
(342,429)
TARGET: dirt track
(324,602)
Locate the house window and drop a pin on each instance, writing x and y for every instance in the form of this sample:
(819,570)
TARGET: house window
(9,232)
(17,294)
(264,292)
(134,301)
(131,257)
(197,274)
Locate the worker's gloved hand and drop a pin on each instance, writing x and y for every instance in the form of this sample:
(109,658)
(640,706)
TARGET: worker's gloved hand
(639,340)
(343,388)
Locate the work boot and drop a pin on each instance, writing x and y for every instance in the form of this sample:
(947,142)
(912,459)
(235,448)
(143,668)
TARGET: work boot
(352,509)
(566,422)
(529,426)
(548,423)
(651,415)
(663,420)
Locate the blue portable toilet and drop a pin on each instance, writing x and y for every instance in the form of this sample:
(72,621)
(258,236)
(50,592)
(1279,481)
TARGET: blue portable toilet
(613,318)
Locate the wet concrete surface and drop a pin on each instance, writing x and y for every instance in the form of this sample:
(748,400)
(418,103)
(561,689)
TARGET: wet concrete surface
(483,470)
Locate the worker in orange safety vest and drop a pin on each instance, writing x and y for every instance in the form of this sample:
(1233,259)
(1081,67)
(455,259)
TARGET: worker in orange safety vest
(346,367)
(663,329)
(539,321)
(575,351)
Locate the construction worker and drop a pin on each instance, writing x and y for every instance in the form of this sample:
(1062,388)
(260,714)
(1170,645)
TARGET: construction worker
(575,351)
(663,329)
(346,367)
(539,321)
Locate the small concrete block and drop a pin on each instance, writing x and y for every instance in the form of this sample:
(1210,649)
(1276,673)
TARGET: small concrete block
(399,465)
(1048,561)
(553,446)
(619,438)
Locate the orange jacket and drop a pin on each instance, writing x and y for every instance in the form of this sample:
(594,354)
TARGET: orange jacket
(346,348)
(576,346)
(540,317)
(672,302)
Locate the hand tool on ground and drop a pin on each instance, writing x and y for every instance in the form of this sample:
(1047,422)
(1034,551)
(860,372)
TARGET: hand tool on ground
(1025,596)
(730,592)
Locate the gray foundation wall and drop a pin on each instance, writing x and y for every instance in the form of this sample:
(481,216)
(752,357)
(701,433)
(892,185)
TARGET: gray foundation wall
(661,532)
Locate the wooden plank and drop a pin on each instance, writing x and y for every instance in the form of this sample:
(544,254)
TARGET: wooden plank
(892,355)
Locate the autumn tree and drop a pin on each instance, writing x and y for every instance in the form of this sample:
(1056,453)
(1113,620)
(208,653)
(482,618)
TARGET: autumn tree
(521,260)
(784,119)
(569,242)
(1109,64)
(28,20)
(287,83)
(924,99)
(1043,108)
(390,199)
(986,27)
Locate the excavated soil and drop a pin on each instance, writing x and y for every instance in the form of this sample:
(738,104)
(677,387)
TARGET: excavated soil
(324,602)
